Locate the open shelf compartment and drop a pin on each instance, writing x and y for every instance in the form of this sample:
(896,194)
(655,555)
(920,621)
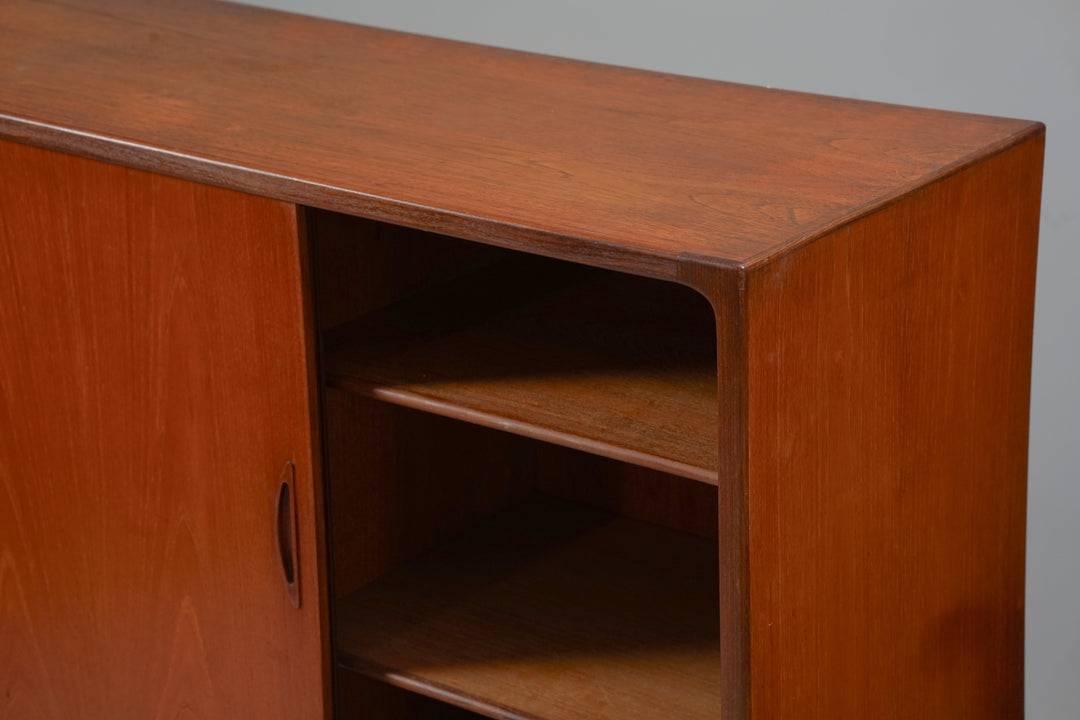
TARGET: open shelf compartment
(551,610)
(614,364)
(521,464)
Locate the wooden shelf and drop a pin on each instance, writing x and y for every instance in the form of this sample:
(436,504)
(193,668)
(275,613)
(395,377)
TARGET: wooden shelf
(613,364)
(549,611)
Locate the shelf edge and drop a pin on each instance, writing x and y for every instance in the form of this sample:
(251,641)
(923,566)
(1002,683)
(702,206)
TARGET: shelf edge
(417,401)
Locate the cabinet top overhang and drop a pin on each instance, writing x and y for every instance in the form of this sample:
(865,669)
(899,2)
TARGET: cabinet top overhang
(623,168)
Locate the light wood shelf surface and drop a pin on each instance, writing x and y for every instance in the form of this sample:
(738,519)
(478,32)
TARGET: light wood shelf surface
(549,611)
(616,365)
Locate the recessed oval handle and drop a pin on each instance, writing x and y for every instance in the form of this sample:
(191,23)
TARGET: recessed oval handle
(285,533)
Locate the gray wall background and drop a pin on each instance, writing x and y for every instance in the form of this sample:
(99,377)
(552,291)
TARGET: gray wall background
(984,56)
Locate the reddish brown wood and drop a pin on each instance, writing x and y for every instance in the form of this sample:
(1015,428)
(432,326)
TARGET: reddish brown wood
(627,490)
(725,286)
(609,166)
(620,366)
(154,379)
(402,482)
(550,611)
(364,265)
(870,269)
(888,375)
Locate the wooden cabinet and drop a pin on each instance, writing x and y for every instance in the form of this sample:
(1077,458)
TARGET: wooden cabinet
(348,372)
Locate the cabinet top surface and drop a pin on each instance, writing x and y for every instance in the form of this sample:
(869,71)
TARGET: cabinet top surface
(607,165)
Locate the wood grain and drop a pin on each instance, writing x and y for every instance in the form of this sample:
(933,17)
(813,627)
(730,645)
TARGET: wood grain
(620,366)
(551,611)
(146,322)
(871,273)
(475,142)
(625,489)
(364,265)
(889,370)
(402,482)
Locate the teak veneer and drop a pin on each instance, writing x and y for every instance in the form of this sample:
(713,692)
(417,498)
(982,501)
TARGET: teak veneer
(346,372)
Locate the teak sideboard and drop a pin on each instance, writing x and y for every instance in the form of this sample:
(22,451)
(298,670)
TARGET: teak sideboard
(350,373)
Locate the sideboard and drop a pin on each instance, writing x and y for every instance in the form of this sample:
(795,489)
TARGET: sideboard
(346,372)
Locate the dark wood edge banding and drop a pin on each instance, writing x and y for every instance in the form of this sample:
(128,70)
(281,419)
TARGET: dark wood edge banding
(724,286)
(208,171)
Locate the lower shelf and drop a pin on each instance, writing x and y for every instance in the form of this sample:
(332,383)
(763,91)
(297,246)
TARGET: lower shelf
(553,611)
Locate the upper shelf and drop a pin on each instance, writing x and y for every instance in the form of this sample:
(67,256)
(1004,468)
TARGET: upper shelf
(619,168)
(616,365)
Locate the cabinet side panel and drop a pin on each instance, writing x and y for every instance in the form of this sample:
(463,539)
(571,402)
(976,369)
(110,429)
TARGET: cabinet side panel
(889,370)
(154,380)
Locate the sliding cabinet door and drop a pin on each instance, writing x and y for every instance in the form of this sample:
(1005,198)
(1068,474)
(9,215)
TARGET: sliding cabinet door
(155,391)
